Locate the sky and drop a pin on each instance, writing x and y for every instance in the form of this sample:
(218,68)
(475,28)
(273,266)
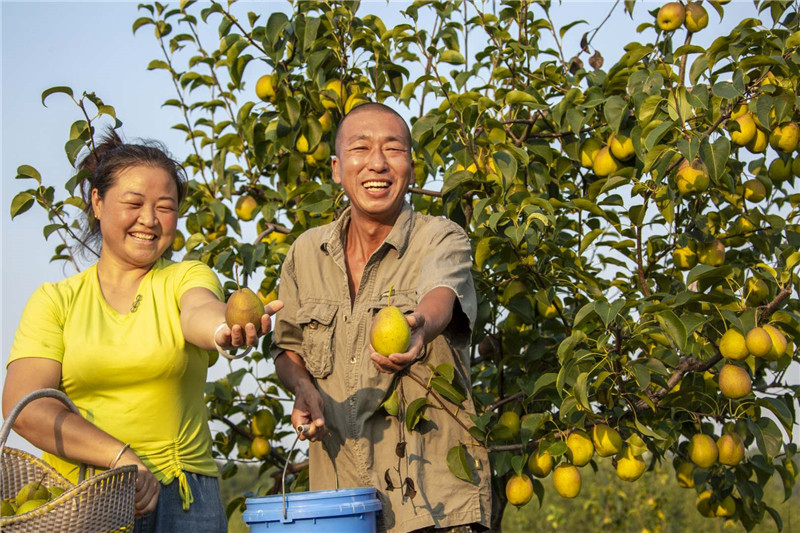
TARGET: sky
(89,46)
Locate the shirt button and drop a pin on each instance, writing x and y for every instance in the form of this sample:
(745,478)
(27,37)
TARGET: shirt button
(353,359)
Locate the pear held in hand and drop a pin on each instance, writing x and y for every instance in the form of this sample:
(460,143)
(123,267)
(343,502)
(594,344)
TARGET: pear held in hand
(390,332)
(244,307)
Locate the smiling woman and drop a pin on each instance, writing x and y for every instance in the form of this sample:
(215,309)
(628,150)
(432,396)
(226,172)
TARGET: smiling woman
(127,340)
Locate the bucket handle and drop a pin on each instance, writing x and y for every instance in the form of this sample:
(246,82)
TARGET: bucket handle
(301,429)
(5,430)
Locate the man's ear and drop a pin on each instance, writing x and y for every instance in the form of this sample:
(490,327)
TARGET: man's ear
(336,169)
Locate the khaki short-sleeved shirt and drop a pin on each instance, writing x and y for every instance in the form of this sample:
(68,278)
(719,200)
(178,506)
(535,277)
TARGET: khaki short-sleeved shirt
(332,336)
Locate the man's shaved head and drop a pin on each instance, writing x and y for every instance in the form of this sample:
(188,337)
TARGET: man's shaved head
(369,107)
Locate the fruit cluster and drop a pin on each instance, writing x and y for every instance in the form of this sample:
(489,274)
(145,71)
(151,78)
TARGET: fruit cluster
(29,497)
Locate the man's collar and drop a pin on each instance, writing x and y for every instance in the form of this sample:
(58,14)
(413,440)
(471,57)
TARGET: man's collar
(398,237)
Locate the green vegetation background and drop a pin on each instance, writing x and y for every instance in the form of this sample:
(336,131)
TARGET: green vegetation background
(653,504)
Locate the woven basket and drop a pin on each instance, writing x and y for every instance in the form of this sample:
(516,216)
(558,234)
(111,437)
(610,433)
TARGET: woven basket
(103,503)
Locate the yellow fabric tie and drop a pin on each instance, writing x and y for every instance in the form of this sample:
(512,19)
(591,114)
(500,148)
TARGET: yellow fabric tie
(185,491)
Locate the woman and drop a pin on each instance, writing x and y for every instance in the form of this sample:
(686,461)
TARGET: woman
(127,341)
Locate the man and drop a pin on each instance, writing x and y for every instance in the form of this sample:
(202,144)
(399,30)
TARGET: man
(333,282)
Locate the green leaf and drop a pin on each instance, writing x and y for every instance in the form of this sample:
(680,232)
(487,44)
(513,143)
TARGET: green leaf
(673,327)
(583,313)
(441,386)
(715,156)
(533,421)
(54,90)
(142,21)
(615,111)
(769,439)
(28,172)
(779,409)
(21,203)
(451,56)
(457,463)
(518,97)
(725,89)
(414,412)
(580,391)
(447,371)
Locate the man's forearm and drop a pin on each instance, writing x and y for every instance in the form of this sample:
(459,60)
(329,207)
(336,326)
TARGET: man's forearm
(291,370)
(437,308)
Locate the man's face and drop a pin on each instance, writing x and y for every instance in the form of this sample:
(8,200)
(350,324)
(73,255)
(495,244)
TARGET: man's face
(374,164)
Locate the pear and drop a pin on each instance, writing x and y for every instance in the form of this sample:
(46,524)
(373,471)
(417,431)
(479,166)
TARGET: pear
(244,307)
(30,505)
(7,508)
(390,332)
(35,490)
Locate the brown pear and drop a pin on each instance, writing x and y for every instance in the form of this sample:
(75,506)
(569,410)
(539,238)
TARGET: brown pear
(244,307)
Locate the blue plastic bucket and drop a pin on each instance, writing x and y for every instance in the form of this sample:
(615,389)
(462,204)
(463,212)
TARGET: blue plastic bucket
(342,510)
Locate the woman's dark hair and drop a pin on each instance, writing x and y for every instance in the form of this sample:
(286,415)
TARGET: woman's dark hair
(110,157)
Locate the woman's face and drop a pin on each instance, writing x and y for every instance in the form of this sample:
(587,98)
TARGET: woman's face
(138,216)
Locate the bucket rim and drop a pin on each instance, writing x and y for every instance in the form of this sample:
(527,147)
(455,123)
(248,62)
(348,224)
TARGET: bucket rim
(299,505)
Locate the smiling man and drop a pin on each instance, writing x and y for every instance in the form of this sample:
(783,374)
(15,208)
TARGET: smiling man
(334,281)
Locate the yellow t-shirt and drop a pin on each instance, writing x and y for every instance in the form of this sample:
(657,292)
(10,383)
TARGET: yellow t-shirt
(132,375)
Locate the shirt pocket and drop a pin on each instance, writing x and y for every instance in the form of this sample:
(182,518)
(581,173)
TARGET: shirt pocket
(406,301)
(317,319)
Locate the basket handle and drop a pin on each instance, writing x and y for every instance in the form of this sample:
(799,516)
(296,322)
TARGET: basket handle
(28,398)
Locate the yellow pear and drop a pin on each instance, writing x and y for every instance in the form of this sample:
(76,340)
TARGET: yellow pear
(710,507)
(630,467)
(756,291)
(540,464)
(334,92)
(326,121)
(519,490)
(35,490)
(780,170)
(353,101)
(606,440)
(684,474)
(684,257)
(779,343)
(567,480)
(785,137)
(621,147)
(703,450)
(260,447)
(712,253)
(579,448)
(511,422)
(671,16)
(246,207)
(754,190)
(745,130)
(56,491)
(263,423)
(696,17)
(604,163)
(588,151)
(738,111)
(390,332)
(731,449)
(759,342)
(29,505)
(244,307)
(265,87)
(758,144)
(734,381)
(302,144)
(7,508)
(180,240)
(732,346)
(692,178)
